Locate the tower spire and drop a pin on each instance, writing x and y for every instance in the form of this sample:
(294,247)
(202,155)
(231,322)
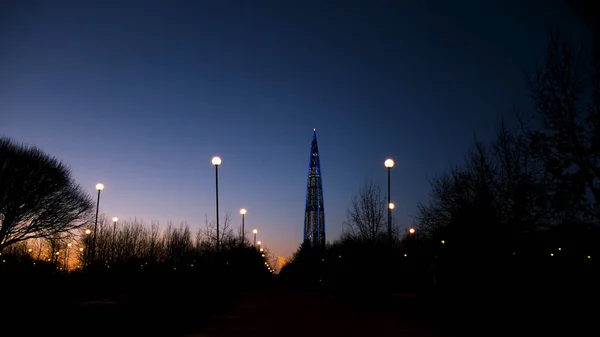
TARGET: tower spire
(314,219)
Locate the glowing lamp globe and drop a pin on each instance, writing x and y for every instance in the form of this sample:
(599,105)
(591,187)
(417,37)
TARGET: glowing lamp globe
(389,163)
(411,231)
(255,231)
(115,219)
(216,161)
(242,211)
(391,205)
(99,187)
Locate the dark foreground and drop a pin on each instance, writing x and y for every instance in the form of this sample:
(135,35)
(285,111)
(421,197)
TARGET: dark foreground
(208,309)
(294,313)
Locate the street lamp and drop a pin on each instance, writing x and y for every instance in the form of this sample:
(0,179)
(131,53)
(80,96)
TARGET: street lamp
(391,206)
(389,163)
(254,232)
(243,213)
(216,161)
(115,220)
(99,188)
(67,257)
(114,238)
(412,231)
(259,242)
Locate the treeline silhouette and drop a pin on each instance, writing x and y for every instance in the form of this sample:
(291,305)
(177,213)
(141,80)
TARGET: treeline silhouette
(511,236)
(142,279)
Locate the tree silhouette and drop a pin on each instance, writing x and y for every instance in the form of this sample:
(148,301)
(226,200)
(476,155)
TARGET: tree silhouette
(365,218)
(481,213)
(38,197)
(566,94)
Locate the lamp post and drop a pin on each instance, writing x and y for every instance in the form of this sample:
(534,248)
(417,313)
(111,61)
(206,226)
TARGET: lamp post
(254,232)
(216,161)
(88,244)
(243,213)
(114,239)
(99,188)
(67,257)
(389,163)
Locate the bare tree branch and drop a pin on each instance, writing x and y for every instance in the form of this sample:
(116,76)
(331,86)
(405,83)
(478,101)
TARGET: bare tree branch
(38,197)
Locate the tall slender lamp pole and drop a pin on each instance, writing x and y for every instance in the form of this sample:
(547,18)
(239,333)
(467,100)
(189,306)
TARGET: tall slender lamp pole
(99,187)
(243,213)
(216,161)
(114,240)
(389,163)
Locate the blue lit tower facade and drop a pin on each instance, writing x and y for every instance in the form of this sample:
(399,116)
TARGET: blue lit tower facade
(314,218)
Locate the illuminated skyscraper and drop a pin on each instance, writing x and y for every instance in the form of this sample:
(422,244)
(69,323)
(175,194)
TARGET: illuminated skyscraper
(314,218)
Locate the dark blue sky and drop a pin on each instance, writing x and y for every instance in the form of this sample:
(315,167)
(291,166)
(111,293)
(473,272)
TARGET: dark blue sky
(140,95)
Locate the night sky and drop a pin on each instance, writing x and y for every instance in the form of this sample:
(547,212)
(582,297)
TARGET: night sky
(140,96)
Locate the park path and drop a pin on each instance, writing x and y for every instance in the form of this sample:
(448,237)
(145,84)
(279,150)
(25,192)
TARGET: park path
(288,313)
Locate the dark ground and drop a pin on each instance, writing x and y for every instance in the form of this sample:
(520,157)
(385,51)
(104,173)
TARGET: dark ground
(276,309)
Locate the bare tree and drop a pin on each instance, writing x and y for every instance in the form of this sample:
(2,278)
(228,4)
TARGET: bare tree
(229,238)
(38,197)
(365,219)
(566,94)
(496,195)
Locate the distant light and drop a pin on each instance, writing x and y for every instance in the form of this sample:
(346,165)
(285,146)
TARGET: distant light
(99,187)
(443,241)
(69,245)
(259,242)
(391,205)
(589,257)
(261,250)
(216,161)
(115,219)
(263,255)
(255,231)
(411,231)
(389,163)
(559,248)
(243,211)
(551,254)
(81,249)
(405,255)
(30,250)
(87,231)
